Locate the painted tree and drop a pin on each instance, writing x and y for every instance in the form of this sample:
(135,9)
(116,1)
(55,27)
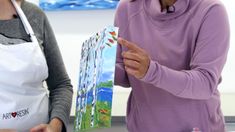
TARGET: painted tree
(91,69)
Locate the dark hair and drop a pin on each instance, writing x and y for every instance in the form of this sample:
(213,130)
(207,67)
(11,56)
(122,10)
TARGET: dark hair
(132,0)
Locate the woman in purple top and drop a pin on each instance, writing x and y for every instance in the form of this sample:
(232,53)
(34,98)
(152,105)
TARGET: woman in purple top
(172,53)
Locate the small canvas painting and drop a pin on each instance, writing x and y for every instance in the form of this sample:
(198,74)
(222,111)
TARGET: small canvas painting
(96,80)
(50,5)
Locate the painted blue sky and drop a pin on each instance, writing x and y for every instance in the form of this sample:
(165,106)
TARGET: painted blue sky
(77,4)
(109,55)
(110,58)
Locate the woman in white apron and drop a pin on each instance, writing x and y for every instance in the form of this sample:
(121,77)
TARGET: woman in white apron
(24,102)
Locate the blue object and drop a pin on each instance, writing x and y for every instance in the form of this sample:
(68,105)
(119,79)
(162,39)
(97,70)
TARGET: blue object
(51,5)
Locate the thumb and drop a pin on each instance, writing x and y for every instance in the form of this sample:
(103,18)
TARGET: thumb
(38,128)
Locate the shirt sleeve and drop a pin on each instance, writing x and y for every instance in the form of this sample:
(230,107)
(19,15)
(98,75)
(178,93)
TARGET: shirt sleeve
(59,85)
(121,77)
(206,63)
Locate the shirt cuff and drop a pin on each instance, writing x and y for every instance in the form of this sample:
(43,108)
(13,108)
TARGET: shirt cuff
(150,76)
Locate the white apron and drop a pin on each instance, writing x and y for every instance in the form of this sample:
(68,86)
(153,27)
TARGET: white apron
(23,68)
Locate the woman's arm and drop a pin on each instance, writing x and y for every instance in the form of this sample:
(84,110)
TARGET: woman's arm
(121,77)
(58,82)
(206,64)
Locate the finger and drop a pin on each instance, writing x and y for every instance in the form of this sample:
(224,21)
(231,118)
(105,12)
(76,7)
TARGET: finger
(129,45)
(131,71)
(131,63)
(131,56)
(38,128)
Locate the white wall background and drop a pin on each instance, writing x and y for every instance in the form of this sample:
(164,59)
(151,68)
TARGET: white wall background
(73,27)
(228,83)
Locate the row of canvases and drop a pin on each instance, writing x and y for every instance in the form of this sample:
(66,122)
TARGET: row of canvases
(51,5)
(96,79)
(97,65)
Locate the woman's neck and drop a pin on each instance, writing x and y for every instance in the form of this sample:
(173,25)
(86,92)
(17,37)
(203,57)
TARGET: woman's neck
(166,3)
(7,10)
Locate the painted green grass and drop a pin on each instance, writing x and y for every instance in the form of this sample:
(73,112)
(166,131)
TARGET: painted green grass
(102,117)
(108,84)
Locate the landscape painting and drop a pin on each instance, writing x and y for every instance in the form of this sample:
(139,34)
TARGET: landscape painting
(51,5)
(96,80)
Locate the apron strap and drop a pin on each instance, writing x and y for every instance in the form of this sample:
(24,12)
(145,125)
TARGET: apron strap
(25,21)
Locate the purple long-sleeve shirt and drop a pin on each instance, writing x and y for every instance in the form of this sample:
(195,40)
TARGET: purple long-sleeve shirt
(188,50)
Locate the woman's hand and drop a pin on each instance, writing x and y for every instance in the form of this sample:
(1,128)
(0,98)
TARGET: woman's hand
(136,60)
(43,128)
(54,126)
